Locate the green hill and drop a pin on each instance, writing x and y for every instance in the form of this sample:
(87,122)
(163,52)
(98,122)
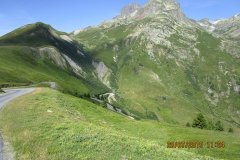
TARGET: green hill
(38,53)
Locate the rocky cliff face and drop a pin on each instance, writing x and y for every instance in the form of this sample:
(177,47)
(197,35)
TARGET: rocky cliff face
(156,7)
(206,24)
(130,11)
(229,27)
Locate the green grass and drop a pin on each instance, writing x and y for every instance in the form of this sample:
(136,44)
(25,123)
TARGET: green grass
(52,125)
(19,66)
(21,35)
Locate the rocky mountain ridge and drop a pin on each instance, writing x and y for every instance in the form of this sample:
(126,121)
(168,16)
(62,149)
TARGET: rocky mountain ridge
(152,8)
(223,27)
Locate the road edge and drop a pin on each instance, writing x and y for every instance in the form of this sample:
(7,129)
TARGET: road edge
(6,150)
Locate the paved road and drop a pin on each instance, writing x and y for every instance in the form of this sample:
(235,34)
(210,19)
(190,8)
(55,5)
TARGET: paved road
(5,153)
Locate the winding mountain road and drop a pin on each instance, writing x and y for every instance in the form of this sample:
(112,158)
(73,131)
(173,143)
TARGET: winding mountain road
(10,94)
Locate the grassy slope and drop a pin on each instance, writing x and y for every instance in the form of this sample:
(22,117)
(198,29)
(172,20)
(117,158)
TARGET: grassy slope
(18,66)
(52,125)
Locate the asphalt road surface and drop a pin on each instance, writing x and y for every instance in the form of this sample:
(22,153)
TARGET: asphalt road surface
(10,94)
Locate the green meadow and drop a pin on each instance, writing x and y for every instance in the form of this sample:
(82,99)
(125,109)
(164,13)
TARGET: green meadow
(48,124)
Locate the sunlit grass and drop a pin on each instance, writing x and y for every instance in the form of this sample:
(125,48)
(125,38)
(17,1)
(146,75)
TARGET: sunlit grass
(50,125)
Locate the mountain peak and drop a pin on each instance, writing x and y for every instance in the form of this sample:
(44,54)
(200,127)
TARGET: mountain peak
(170,7)
(41,24)
(130,10)
(36,34)
(164,4)
(151,9)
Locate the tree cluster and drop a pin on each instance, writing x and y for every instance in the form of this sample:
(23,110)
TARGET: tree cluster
(201,122)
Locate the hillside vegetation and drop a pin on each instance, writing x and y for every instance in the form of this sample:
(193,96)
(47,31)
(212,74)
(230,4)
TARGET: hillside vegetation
(18,66)
(52,125)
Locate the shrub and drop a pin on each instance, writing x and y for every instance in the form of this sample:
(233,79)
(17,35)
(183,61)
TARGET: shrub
(230,130)
(219,126)
(199,122)
(188,124)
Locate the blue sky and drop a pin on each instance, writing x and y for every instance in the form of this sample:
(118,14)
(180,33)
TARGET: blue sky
(68,15)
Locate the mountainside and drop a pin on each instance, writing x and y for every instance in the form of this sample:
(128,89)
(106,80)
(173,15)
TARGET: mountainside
(38,53)
(229,28)
(165,66)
